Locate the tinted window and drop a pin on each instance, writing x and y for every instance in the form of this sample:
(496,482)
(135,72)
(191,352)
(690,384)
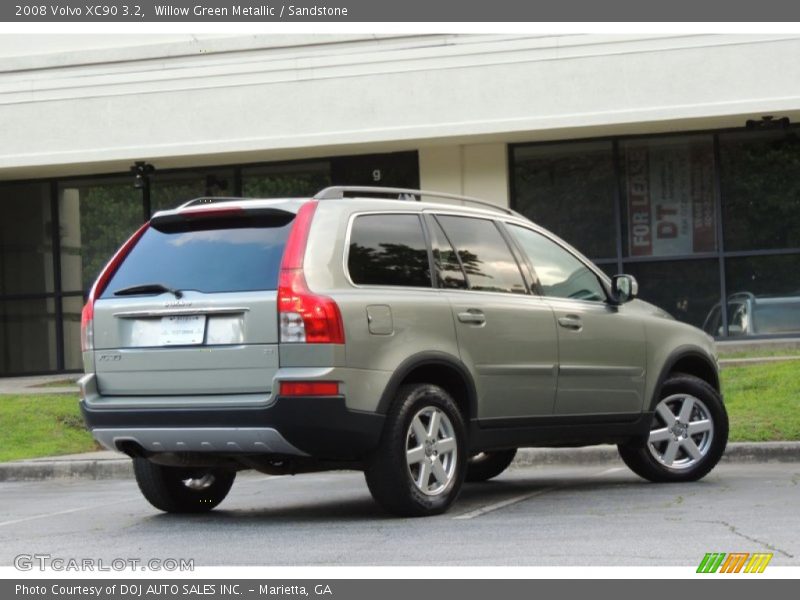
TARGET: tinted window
(570,189)
(238,256)
(560,274)
(388,250)
(487,260)
(687,289)
(773,292)
(445,260)
(760,179)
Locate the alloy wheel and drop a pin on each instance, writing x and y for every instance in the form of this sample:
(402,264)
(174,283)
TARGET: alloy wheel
(431,451)
(682,432)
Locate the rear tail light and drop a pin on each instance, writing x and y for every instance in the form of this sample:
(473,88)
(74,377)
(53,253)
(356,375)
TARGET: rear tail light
(87,314)
(87,326)
(304,317)
(309,388)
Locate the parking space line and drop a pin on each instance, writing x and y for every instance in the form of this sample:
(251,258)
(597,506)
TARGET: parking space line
(502,504)
(522,497)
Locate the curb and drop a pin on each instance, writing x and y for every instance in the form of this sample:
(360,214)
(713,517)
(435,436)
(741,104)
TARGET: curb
(760,360)
(121,468)
(44,469)
(736,452)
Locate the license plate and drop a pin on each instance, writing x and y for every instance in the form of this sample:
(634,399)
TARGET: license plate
(183,330)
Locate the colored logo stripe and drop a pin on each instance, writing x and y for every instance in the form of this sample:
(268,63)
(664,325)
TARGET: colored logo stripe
(711,562)
(758,562)
(734,563)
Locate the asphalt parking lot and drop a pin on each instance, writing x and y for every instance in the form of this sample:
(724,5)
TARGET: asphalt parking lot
(558,515)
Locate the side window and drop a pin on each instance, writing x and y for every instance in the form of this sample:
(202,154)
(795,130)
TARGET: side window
(448,270)
(388,250)
(487,259)
(560,274)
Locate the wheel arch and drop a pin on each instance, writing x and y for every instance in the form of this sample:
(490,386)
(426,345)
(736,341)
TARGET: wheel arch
(438,368)
(691,361)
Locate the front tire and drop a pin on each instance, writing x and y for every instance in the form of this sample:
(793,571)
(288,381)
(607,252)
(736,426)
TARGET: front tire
(486,465)
(418,467)
(182,489)
(688,434)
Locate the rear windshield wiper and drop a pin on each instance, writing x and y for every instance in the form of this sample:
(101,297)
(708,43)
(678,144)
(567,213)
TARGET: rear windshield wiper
(147,288)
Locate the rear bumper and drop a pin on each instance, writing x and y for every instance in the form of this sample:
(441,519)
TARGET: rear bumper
(319,427)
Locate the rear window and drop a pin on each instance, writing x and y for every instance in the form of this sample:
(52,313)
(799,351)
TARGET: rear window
(235,255)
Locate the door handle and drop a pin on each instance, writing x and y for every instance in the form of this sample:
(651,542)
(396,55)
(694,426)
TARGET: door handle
(472,316)
(572,322)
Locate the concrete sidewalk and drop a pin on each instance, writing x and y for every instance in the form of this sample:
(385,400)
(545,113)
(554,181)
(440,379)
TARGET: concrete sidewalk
(40,384)
(113,465)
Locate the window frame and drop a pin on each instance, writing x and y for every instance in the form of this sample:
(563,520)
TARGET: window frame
(426,238)
(430,219)
(603,279)
(527,279)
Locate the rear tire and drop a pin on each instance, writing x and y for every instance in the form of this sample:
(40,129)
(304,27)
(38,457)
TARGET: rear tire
(486,465)
(182,489)
(418,467)
(688,434)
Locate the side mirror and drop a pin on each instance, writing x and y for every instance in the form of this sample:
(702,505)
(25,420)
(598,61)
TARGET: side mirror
(624,288)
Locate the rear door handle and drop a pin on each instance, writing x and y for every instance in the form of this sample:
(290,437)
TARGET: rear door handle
(572,322)
(472,316)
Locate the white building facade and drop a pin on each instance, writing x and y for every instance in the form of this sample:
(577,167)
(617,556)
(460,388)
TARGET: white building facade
(651,154)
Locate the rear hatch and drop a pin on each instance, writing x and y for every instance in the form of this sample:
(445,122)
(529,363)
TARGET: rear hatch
(192,309)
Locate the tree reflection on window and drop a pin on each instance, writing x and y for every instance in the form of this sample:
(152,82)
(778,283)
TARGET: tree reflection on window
(390,264)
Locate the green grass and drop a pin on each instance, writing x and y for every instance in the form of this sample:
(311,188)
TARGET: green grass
(41,425)
(763,401)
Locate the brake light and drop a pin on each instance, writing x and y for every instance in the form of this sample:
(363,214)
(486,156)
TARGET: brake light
(304,317)
(87,314)
(309,388)
(211,213)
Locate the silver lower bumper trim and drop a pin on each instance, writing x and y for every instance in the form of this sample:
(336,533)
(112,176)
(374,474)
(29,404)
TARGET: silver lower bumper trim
(261,440)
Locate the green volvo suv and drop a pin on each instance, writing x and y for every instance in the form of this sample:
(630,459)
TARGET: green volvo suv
(417,336)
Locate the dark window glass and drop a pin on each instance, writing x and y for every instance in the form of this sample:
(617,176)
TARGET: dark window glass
(71,309)
(286,181)
(96,218)
(207,257)
(570,189)
(609,269)
(668,184)
(767,292)
(559,273)
(26,248)
(27,336)
(760,178)
(388,250)
(448,269)
(687,289)
(487,260)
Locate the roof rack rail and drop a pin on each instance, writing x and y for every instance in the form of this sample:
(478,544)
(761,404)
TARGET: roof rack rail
(210,200)
(337,192)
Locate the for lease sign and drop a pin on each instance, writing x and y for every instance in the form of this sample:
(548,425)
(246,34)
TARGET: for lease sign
(670,190)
